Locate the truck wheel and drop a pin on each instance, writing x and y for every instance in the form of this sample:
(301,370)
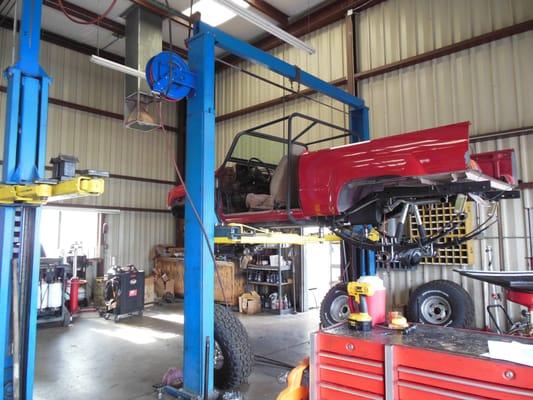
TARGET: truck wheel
(233,353)
(334,307)
(443,303)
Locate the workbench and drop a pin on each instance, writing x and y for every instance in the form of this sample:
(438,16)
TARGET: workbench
(429,363)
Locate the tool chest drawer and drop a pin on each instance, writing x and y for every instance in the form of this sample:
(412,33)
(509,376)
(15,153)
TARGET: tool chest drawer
(412,391)
(461,375)
(352,378)
(355,363)
(329,391)
(350,347)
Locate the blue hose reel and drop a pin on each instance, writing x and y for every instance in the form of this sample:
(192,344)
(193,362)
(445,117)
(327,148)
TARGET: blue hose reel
(168,75)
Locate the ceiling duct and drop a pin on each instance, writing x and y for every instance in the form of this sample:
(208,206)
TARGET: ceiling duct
(144,38)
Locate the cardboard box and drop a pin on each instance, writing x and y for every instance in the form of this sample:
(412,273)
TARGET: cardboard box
(250,303)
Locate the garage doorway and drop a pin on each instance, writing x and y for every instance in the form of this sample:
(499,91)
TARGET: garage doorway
(61,228)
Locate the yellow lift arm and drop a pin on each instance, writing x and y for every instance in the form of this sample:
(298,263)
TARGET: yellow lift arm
(244,234)
(42,193)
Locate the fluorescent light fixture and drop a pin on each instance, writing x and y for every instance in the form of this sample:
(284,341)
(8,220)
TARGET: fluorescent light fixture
(268,26)
(213,13)
(104,62)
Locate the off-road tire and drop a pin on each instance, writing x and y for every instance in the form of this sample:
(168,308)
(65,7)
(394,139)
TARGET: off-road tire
(326,317)
(461,306)
(234,343)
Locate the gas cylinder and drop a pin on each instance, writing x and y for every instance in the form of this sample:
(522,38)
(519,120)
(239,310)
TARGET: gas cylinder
(74,288)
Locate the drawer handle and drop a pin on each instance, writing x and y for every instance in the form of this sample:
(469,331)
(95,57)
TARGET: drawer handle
(509,374)
(350,346)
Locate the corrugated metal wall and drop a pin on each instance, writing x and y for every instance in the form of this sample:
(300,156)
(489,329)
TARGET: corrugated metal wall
(489,85)
(103,143)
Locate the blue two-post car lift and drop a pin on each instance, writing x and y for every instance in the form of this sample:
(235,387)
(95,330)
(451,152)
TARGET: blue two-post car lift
(24,159)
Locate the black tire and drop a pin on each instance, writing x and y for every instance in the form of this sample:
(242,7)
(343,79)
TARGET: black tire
(334,306)
(232,340)
(442,303)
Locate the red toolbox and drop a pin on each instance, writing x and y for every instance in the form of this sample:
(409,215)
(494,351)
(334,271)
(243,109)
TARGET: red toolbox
(429,363)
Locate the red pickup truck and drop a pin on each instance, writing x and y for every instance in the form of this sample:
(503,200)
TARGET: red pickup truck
(267,179)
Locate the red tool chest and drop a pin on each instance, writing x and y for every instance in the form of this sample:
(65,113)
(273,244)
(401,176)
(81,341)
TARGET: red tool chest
(430,363)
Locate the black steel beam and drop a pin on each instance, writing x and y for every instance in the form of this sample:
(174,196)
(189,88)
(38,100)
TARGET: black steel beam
(269,10)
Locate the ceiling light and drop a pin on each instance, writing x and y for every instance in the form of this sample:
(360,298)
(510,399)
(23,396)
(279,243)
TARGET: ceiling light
(262,23)
(213,13)
(104,62)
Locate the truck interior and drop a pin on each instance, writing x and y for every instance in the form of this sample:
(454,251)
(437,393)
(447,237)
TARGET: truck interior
(260,171)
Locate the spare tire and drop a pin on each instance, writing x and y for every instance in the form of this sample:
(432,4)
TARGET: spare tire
(443,303)
(334,307)
(233,352)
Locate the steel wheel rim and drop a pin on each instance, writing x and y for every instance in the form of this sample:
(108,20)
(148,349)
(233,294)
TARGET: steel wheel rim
(436,310)
(339,309)
(219,357)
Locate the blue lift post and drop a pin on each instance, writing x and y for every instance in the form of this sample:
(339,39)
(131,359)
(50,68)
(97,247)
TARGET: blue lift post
(359,123)
(199,268)
(24,160)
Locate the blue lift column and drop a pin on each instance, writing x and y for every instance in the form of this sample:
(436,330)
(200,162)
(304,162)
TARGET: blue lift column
(24,160)
(199,267)
(359,123)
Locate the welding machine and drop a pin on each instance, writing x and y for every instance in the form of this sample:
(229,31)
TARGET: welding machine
(124,292)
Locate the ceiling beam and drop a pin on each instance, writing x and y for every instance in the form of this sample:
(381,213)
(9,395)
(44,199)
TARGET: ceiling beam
(269,10)
(163,11)
(86,15)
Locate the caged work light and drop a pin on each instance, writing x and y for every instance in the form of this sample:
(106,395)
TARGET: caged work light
(268,26)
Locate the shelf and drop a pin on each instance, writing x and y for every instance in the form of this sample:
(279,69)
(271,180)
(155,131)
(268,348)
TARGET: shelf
(269,284)
(268,268)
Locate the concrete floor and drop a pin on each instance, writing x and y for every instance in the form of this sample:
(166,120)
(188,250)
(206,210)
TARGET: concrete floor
(98,359)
